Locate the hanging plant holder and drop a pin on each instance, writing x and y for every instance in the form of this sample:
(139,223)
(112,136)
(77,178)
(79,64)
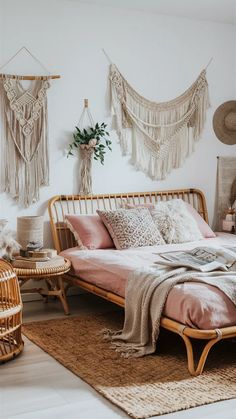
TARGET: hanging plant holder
(86,155)
(91,142)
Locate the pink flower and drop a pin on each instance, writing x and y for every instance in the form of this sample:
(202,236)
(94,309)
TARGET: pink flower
(92,142)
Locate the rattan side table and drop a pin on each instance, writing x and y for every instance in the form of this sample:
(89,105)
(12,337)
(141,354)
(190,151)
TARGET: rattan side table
(11,343)
(53,279)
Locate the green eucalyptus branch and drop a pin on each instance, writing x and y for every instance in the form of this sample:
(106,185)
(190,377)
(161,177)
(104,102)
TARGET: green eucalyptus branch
(96,137)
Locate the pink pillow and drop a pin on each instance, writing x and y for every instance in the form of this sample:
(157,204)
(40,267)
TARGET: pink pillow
(202,225)
(89,231)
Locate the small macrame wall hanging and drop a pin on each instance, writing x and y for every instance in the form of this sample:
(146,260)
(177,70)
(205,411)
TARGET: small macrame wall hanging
(158,136)
(92,140)
(24,142)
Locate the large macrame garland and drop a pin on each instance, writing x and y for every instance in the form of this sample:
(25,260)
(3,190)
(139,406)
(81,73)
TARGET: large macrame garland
(24,148)
(158,136)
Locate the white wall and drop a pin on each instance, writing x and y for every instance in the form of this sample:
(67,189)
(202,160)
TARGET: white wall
(159,55)
(234,52)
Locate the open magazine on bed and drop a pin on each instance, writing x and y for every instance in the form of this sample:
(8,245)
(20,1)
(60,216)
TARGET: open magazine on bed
(204,259)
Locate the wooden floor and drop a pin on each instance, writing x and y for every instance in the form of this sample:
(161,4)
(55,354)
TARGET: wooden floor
(35,386)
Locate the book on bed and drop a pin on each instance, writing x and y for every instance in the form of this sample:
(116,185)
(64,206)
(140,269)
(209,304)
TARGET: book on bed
(204,259)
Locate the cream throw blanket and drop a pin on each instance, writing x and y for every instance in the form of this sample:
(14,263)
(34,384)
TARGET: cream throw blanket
(146,294)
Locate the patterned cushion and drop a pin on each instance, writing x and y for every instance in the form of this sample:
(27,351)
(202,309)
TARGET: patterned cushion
(175,222)
(131,228)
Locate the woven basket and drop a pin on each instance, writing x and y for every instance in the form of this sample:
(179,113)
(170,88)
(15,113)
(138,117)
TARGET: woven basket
(30,229)
(11,343)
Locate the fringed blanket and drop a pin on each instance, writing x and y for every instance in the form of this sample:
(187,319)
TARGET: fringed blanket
(146,294)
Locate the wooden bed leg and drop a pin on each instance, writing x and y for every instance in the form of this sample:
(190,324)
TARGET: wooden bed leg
(204,354)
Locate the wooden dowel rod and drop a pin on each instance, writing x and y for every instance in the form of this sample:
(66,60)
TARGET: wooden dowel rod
(14,76)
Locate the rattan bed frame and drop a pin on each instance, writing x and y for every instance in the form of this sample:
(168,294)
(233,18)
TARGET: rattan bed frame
(61,205)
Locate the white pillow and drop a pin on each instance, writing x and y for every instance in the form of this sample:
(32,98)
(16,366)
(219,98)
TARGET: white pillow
(175,222)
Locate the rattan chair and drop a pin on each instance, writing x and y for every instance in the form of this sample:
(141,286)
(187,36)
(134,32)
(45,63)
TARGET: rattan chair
(11,343)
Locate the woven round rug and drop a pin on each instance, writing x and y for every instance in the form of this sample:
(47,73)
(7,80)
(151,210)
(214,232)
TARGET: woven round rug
(143,387)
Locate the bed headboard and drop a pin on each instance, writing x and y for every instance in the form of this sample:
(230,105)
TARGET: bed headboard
(61,205)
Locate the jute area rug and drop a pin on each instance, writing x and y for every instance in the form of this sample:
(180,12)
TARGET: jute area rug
(142,387)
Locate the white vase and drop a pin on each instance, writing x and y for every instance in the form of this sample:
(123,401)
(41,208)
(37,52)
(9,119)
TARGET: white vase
(30,229)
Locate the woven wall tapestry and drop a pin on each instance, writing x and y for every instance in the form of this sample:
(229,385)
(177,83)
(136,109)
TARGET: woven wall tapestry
(225,189)
(25,165)
(24,139)
(158,136)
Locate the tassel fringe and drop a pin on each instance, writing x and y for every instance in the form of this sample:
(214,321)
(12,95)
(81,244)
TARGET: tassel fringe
(158,136)
(24,140)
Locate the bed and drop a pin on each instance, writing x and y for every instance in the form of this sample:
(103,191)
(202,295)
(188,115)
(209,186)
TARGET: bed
(91,273)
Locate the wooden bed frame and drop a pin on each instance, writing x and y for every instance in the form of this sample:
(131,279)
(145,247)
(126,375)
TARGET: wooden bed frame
(61,205)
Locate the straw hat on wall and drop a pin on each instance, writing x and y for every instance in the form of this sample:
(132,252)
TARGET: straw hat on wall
(224,122)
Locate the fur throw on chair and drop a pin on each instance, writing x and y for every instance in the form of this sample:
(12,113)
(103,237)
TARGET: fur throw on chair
(8,245)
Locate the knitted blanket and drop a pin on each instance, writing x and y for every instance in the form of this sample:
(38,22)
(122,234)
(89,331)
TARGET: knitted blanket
(146,294)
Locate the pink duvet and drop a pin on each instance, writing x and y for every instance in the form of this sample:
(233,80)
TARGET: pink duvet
(194,304)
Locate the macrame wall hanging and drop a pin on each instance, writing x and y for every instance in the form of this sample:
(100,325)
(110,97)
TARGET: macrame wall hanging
(158,136)
(24,142)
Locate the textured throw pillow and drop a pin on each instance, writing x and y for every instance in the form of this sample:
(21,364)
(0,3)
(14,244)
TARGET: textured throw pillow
(202,225)
(175,222)
(89,232)
(131,228)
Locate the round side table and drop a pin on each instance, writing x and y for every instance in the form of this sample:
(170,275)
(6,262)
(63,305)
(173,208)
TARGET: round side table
(52,277)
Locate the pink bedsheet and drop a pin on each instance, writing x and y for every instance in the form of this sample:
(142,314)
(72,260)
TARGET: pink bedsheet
(194,304)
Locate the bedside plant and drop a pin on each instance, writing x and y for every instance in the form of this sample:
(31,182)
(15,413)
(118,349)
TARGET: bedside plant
(93,138)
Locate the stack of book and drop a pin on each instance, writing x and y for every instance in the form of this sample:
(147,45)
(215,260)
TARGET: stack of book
(43,258)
